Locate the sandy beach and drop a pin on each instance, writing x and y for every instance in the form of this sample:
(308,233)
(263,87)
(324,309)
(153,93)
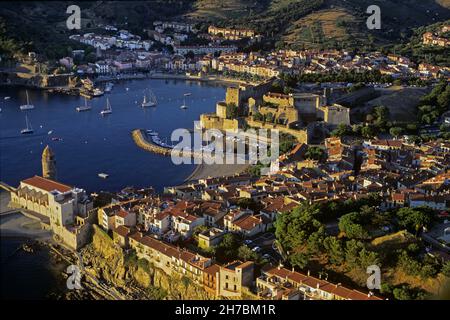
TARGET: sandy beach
(216,170)
(15,224)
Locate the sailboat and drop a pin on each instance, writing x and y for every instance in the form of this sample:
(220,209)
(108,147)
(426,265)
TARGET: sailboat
(109,87)
(150,102)
(107,110)
(184,106)
(83,108)
(27,106)
(28,129)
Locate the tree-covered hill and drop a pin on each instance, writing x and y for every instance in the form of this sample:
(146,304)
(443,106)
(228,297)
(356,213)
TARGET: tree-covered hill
(40,25)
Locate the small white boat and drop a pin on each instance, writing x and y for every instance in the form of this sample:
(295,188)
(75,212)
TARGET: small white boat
(7,98)
(152,133)
(83,108)
(109,87)
(150,101)
(27,106)
(184,105)
(103,175)
(50,132)
(108,108)
(97,92)
(28,129)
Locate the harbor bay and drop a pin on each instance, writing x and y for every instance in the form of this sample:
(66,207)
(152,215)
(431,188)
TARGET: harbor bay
(87,143)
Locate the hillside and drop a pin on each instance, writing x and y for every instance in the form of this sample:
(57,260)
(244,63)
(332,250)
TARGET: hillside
(40,26)
(324,23)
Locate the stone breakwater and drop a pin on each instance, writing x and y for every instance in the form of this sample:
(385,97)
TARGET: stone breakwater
(140,138)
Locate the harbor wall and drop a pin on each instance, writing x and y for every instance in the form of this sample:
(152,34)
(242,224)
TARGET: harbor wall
(141,142)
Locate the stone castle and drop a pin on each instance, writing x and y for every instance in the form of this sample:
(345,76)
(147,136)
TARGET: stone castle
(289,113)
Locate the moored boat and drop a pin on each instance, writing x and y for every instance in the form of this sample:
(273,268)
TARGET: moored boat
(149,101)
(86,107)
(108,108)
(29,128)
(27,106)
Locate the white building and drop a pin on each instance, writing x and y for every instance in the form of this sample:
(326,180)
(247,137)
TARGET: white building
(64,208)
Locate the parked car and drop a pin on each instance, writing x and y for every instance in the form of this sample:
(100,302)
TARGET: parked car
(247,242)
(256,249)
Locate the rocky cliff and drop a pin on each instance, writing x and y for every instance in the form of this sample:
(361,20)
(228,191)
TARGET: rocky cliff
(130,277)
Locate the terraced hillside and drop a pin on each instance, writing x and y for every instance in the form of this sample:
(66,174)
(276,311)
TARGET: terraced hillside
(324,23)
(299,23)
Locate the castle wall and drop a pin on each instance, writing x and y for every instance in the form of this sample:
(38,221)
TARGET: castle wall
(300,135)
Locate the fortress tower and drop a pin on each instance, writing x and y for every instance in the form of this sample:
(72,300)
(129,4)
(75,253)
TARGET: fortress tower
(48,164)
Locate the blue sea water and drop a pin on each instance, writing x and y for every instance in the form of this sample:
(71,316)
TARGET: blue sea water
(25,276)
(92,144)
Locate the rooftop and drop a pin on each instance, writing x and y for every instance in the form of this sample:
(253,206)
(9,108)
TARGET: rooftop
(47,184)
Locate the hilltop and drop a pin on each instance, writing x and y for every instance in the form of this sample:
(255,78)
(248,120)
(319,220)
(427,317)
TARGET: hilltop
(324,23)
(40,26)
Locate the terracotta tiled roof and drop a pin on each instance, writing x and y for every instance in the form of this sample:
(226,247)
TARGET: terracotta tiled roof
(248,222)
(122,230)
(314,283)
(47,184)
(122,214)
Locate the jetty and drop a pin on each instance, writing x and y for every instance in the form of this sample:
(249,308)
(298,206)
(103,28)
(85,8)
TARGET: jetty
(140,137)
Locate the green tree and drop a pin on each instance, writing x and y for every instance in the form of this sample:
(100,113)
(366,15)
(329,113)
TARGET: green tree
(341,130)
(352,249)
(446,269)
(414,219)
(368,132)
(350,225)
(245,253)
(396,131)
(299,259)
(402,293)
(334,249)
(293,229)
(315,153)
(368,258)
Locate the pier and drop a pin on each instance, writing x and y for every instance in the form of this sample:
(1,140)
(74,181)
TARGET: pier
(140,138)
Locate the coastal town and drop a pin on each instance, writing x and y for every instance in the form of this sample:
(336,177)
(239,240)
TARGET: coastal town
(363,176)
(119,54)
(231,235)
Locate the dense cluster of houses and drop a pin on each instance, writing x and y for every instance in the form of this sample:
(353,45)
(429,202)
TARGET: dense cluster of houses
(402,174)
(324,61)
(220,54)
(122,40)
(437,38)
